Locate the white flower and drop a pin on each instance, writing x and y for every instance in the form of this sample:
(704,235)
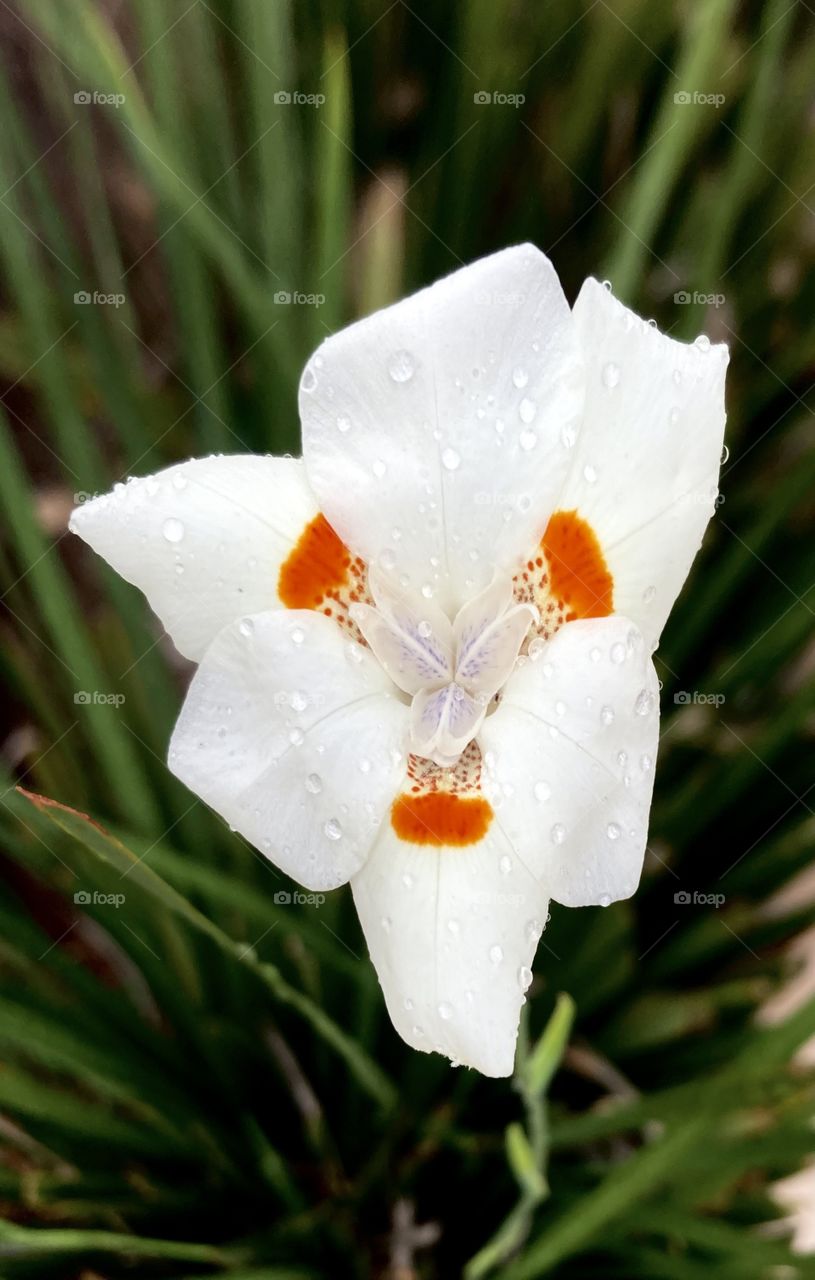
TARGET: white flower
(425,651)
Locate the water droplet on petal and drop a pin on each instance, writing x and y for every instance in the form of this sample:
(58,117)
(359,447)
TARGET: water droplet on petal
(524,977)
(314,784)
(558,833)
(613,831)
(618,653)
(527,440)
(527,410)
(450,459)
(343,424)
(611,375)
(702,343)
(496,954)
(542,792)
(401,367)
(332,829)
(604,900)
(246,626)
(445,1011)
(520,378)
(645,703)
(378,467)
(607,715)
(172,529)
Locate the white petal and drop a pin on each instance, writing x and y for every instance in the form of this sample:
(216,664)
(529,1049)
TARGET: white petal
(572,748)
(433,431)
(413,641)
(204,540)
(443,721)
(488,635)
(646,465)
(290,733)
(452,933)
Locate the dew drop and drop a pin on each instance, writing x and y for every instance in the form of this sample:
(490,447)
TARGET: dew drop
(702,343)
(611,375)
(613,831)
(172,529)
(607,715)
(401,367)
(246,626)
(505,865)
(298,700)
(534,929)
(527,410)
(179,482)
(378,467)
(645,703)
(445,1011)
(496,954)
(332,829)
(618,653)
(524,977)
(309,380)
(343,424)
(297,737)
(314,784)
(604,900)
(450,459)
(649,595)
(542,792)
(453,926)
(298,635)
(520,378)
(386,923)
(527,440)
(558,833)
(589,474)
(536,648)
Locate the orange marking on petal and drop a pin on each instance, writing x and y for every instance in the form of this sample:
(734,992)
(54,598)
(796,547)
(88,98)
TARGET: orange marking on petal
(441,818)
(578,573)
(316,567)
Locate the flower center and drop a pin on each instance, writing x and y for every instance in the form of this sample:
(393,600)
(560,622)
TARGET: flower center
(452,670)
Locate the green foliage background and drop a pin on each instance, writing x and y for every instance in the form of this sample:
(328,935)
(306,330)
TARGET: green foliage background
(203,1081)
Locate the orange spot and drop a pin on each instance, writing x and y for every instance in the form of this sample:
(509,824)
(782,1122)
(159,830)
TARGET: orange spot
(578,574)
(439,818)
(318,565)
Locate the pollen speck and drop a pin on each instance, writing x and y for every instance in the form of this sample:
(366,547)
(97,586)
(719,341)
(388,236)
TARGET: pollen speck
(441,818)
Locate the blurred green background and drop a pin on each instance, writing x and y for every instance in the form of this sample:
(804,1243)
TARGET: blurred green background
(201,1080)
